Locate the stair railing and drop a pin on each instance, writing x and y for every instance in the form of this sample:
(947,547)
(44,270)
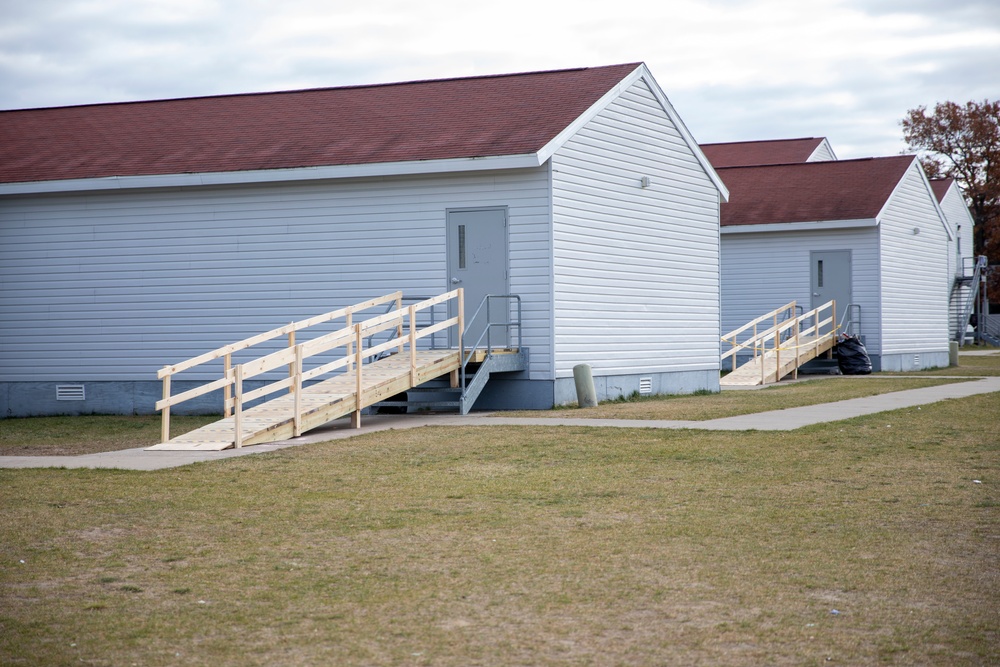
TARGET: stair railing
(970,301)
(355,338)
(850,321)
(808,325)
(786,336)
(776,316)
(507,324)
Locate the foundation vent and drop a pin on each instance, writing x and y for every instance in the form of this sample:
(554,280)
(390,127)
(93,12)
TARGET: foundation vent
(70,392)
(645,385)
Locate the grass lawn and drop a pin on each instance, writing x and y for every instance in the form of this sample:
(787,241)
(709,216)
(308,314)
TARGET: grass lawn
(868,541)
(72,436)
(67,436)
(968,364)
(822,389)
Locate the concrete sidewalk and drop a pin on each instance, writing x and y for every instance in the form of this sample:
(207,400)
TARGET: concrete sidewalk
(777,420)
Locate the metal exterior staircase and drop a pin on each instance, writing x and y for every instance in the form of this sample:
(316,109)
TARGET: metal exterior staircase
(974,282)
(480,361)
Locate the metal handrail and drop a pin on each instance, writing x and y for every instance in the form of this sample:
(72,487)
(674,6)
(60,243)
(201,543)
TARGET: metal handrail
(466,357)
(791,313)
(980,267)
(849,329)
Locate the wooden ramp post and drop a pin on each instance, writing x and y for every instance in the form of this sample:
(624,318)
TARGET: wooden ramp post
(358,384)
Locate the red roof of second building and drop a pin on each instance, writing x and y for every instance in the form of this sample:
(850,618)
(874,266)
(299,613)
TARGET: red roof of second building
(940,186)
(748,153)
(811,191)
(425,120)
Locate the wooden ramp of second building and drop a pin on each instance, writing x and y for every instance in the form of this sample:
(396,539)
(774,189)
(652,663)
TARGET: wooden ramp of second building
(765,368)
(793,342)
(301,407)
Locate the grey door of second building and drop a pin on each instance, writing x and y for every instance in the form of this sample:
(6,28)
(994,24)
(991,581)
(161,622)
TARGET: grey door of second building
(831,279)
(477,262)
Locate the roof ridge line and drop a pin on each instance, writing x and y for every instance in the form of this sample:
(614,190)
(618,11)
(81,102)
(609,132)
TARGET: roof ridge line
(318,89)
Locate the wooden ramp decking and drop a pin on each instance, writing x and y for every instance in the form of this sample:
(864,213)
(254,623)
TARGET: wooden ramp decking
(363,371)
(779,349)
(765,368)
(320,403)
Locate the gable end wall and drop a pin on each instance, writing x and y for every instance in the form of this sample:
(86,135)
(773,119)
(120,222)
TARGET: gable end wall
(636,269)
(915,276)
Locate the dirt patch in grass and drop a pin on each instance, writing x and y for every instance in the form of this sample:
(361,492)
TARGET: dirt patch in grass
(741,402)
(73,436)
(866,541)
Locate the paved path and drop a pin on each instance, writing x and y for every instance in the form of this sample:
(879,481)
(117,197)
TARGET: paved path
(777,420)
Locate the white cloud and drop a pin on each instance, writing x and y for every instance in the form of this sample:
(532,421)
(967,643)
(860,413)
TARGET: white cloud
(847,69)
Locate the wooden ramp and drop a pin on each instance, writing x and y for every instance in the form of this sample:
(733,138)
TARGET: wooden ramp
(319,403)
(780,349)
(776,364)
(362,373)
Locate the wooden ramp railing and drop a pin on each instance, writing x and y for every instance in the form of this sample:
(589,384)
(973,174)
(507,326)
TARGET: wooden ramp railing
(361,373)
(780,348)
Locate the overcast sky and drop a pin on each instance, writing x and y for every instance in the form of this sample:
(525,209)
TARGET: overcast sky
(734,69)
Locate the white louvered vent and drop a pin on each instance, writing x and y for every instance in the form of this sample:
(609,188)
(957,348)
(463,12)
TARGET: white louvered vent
(645,385)
(916,360)
(70,392)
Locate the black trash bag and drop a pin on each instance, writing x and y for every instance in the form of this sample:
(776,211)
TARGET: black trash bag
(852,357)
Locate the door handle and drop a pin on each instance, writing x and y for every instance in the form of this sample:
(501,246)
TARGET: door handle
(815,293)
(455,281)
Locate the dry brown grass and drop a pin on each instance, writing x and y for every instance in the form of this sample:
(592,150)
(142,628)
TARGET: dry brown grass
(823,389)
(524,545)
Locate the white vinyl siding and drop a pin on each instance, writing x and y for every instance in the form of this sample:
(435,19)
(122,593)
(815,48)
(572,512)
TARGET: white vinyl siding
(763,271)
(823,153)
(114,285)
(915,274)
(635,269)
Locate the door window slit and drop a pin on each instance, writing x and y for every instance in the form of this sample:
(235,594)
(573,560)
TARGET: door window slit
(461,246)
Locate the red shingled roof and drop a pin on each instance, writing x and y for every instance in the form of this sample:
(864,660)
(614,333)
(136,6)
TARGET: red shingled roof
(748,153)
(940,186)
(811,191)
(484,116)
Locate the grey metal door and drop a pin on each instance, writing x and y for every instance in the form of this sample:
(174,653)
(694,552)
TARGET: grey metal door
(477,262)
(831,279)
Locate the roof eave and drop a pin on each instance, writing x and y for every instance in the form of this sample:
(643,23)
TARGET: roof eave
(806,226)
(378,169)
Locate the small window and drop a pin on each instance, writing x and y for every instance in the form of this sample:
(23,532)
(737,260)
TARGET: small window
(461,246)
(819,273)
